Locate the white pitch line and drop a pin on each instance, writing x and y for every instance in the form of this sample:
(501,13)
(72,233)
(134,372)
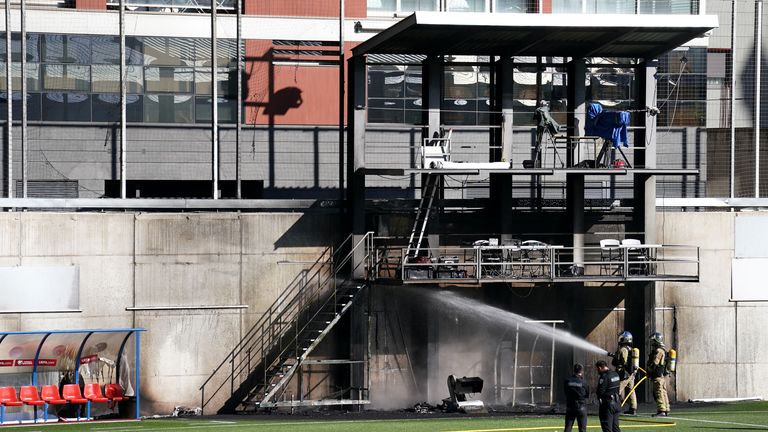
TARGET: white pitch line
(109,429)
(278,423)
(718,422)
(692,412)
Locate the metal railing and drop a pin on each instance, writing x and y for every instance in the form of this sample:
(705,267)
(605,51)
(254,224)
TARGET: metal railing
(551,263)
(275,337)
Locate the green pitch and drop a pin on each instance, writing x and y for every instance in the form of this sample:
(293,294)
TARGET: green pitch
(751,416)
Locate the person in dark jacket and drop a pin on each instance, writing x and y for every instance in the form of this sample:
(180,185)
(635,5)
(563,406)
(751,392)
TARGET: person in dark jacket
(576,395)
(608,396)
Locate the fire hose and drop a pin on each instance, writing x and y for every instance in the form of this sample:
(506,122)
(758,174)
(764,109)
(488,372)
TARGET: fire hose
(636,385)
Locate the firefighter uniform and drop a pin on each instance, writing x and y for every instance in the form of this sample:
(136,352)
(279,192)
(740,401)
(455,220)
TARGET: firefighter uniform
(608,395)
(657,369)
(623,364)
(576,395)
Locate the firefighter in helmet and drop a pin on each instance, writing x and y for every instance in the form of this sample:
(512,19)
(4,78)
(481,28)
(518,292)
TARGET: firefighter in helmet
(626,363)
(657,371)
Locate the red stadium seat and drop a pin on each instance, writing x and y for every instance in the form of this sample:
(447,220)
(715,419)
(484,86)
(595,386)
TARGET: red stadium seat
(93,393)
(50,394)
(8,398)
(72,394)
(28,395)
(114,392)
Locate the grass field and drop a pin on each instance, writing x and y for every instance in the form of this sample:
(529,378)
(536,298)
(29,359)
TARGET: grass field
(751,416)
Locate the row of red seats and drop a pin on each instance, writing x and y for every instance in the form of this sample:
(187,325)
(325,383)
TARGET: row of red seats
(50,396)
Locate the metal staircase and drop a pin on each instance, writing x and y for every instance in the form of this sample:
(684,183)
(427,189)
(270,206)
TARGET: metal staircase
(256,373)
(431,186)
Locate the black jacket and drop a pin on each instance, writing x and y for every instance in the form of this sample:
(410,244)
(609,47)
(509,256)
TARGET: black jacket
(608,386)
(576,392)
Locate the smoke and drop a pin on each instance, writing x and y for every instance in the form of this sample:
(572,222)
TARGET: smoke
(420,336)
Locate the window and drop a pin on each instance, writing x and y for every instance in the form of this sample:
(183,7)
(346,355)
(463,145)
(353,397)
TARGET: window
(106,107)
(466,95)
(683,7)
(168,108)
(168,80)
(611,6)
(33,106)
(106,78)
(515,6)
(566,6)
(466,5)
(204,114)
(67,49)
(388,7)
(394,94)
(166,51)
(681,87)
(77,78)
(226,52)
(66,77)
(33,76)
(106,50)
(33,47)
(226,81)
(66,107)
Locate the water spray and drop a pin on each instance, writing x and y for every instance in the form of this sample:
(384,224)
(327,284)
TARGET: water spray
(496,316)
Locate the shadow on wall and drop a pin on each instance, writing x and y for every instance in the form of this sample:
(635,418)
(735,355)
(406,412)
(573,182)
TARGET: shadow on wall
(266,95)
(312,230)
(283,100)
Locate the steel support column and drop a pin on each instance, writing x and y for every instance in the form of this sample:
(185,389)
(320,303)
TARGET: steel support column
(356,118)
(432,87)
(577,106)
(501,185)
(640,299)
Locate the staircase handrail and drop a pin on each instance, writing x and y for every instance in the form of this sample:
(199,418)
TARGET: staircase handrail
(273,311)
(367,239)
(285,305)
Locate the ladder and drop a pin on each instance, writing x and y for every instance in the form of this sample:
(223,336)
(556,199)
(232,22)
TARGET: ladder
(431,185)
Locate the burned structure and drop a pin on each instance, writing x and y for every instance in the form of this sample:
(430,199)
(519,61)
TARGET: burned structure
(562,261)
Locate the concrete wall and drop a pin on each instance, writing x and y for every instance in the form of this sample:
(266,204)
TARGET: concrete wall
(721,343)
(193,259)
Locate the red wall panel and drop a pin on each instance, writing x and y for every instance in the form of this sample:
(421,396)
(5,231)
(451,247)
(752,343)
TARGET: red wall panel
(312,8)
(288,94)
(91,4)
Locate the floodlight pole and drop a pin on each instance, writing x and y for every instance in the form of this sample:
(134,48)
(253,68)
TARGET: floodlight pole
(239,111)
(9,95)
(733,101)
(24,149)
(214,104)
(758,59)
(123,106)
(342,96)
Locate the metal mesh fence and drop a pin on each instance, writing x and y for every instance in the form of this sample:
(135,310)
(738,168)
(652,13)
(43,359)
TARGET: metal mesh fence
(710,94)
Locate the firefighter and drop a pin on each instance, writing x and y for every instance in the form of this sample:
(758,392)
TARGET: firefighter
(608,396)
(625,362)
(576,395)
(657,370)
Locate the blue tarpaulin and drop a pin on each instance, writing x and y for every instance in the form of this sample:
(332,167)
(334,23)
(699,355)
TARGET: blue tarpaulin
(608,125)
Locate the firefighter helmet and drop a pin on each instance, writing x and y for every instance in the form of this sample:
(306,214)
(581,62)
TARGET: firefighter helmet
(625,338)
(657,338)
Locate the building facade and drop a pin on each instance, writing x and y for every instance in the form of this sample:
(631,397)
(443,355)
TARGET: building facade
(159,269)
